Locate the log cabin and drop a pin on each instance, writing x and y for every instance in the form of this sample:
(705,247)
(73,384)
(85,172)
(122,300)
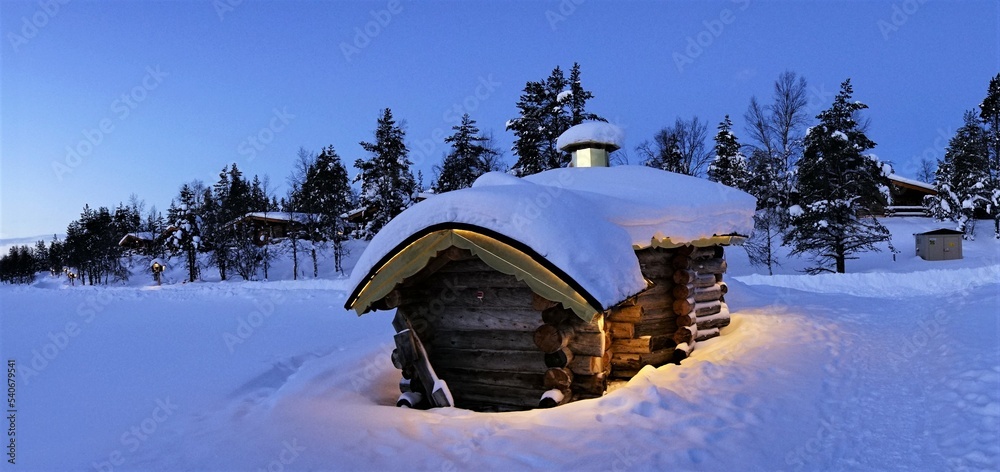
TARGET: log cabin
(520,293)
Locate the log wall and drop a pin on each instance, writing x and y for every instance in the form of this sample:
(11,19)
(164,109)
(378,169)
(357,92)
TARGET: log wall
(685,304)
(500,347)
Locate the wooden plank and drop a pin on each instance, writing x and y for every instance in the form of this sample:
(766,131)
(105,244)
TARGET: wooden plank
(475,280)
(492,360)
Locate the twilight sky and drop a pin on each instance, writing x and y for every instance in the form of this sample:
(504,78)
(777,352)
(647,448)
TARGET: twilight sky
(101,99)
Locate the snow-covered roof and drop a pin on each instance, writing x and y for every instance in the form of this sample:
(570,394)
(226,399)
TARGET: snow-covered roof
(915,183)
(281,216)
(145,236)
(592,132)
(586,222)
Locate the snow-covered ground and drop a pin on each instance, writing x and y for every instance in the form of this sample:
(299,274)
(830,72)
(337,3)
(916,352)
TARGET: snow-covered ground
(895,366)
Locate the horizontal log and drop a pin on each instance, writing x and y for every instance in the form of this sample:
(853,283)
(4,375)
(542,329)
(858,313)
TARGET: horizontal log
(491,339)
(682,351)
(442,259)
(485,297)
(656,328)
(629,363)
(540,303)
(710,266)
(560,358)
(556,314)
(654,255)
(642,344)
(656,314)
(708,252)
(683,306)
(551,338)
(704,335)
(492,360)
(628,314)
(587,365)
(707,308)
(558,378)
(594,385)
(530,380)
(684,334)
(446,281)
(455,318)
(655,264)
(621,329)
(699,294)
(682,277)
(686,320)
(588,344)
(681,262)
(495,398)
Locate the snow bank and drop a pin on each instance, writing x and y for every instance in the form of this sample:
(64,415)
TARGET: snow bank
(881,284)
(584,221)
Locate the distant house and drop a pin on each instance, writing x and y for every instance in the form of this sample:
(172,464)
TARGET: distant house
(138,241)
(536,291)
(906,196)
(144,240)
(272,226)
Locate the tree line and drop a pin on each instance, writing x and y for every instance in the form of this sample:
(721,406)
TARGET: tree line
(817,188)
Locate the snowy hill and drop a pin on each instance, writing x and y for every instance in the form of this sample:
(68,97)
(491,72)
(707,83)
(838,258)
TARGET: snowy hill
(894,366)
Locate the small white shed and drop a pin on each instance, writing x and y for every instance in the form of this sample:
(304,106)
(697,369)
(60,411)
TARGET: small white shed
(939,245)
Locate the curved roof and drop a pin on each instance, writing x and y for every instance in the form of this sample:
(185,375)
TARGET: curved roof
(581,224)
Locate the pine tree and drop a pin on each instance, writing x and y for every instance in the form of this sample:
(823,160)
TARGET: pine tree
(186,237)
(989,112)
(326,194)
(547,109)
(467,160)
(840,188)
(387,184)
(962,180)
(729,166)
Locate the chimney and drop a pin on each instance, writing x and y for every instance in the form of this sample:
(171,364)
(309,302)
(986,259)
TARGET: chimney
(591,142)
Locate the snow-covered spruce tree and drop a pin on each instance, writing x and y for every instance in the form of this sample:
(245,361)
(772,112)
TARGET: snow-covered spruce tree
(546,109)
(387,184)
(963,179)
(326,194)
(729,167)
(989,112)
(186,237)
(840,189)
(468,159)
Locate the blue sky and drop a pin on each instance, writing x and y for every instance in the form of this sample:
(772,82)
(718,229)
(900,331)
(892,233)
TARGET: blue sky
(154,94)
